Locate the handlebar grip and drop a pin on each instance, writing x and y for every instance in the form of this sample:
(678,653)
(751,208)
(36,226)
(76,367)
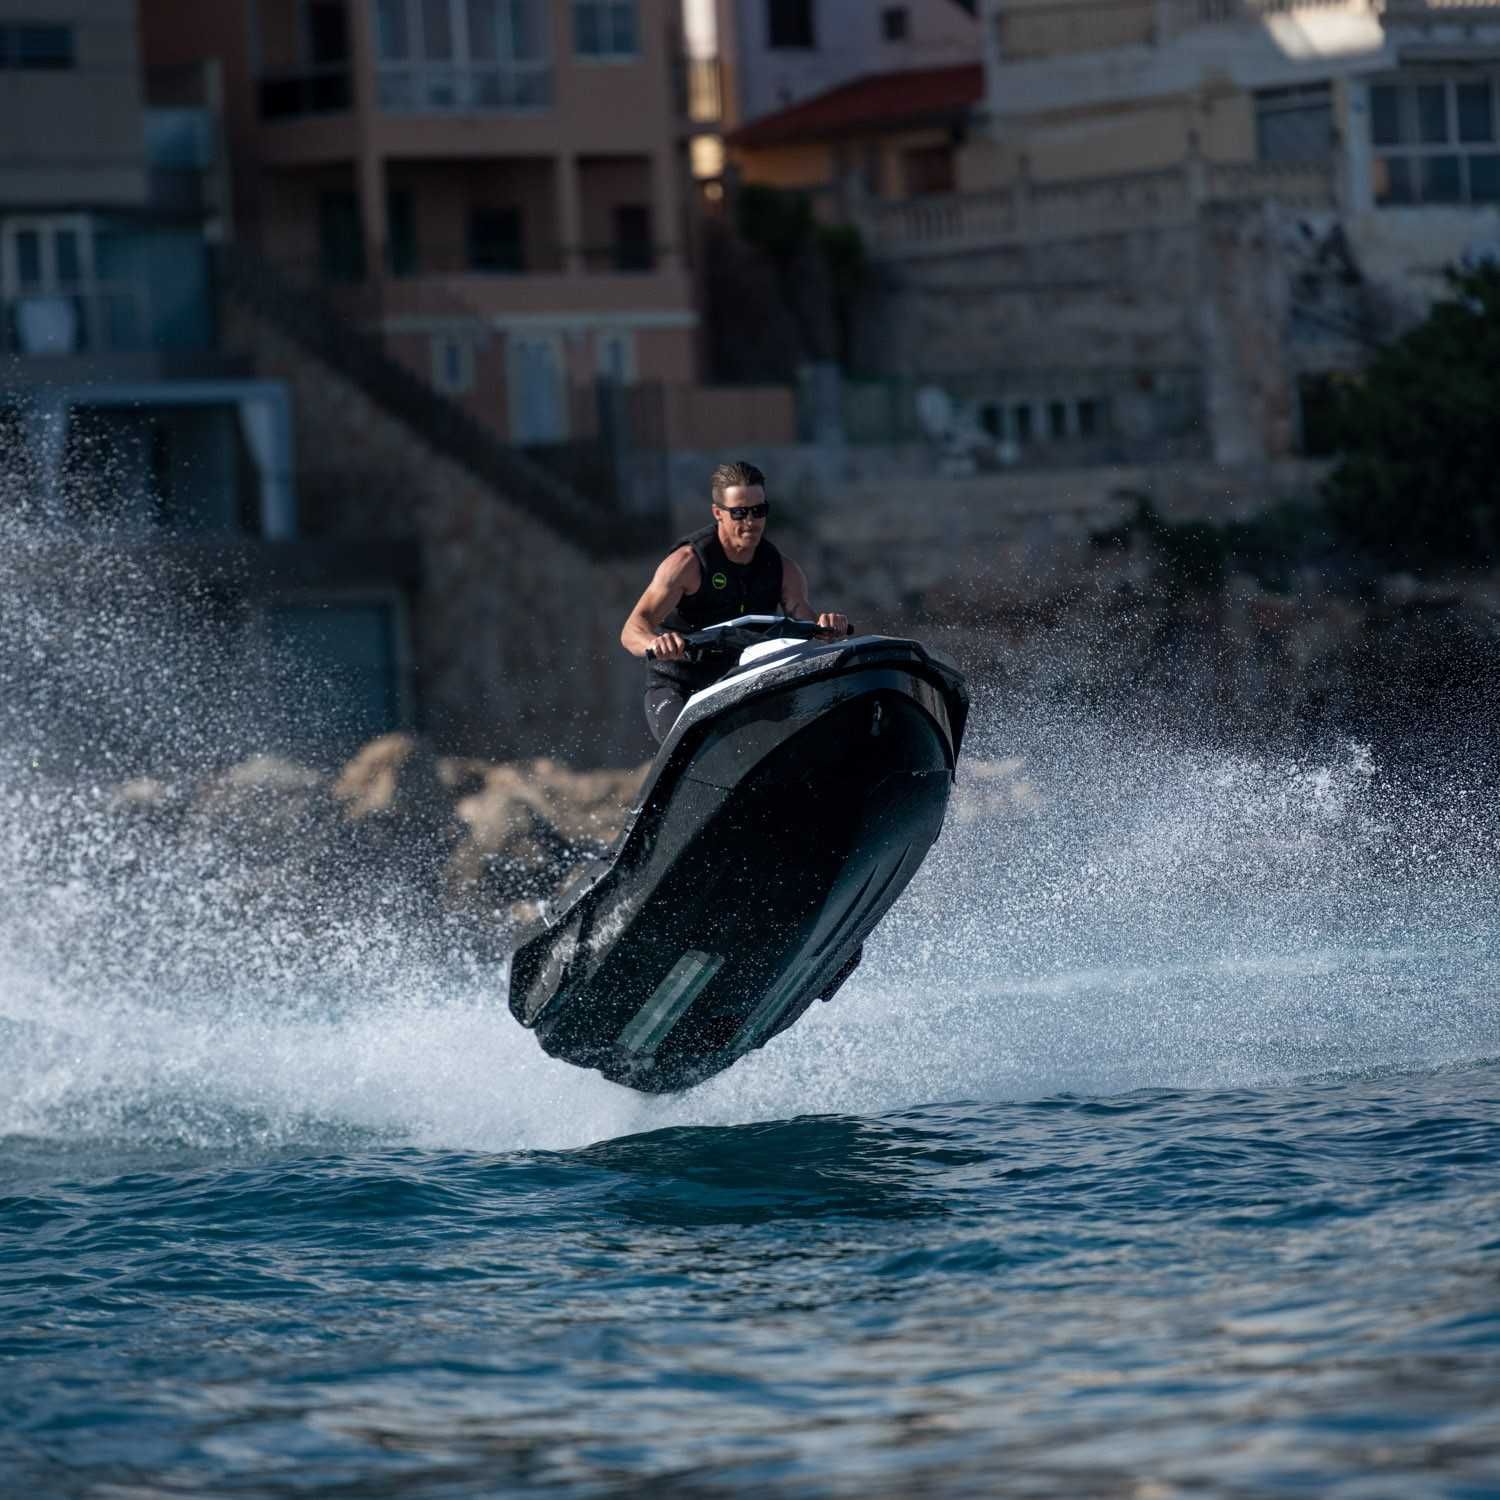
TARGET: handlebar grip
(650,654)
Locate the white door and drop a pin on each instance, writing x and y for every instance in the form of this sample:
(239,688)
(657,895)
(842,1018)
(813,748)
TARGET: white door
(538,410)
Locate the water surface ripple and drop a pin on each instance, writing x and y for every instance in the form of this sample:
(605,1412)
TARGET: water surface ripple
(1292,1290)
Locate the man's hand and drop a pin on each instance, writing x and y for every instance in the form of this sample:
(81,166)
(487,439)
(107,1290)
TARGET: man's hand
(834,624)
(668,646)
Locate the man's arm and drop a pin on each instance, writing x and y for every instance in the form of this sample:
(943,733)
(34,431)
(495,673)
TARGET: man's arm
(794,600)
(679,574)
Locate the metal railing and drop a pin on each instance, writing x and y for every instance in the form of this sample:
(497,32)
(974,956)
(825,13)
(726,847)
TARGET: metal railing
(441,423)
(307,91)
(1030,33)
(443,88)
(1038,212)
(105,318)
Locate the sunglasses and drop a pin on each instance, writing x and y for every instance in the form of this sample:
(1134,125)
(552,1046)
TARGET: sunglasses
(746,512)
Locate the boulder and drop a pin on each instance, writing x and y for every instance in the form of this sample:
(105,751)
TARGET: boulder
(527,824)
(395,800)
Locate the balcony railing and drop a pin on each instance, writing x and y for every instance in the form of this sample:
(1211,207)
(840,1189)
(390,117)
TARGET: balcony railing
(479,257)
(310,91)
(102,319)
(620,255)
(434,88)
(1040,212)
(1298,184)
(1029,33)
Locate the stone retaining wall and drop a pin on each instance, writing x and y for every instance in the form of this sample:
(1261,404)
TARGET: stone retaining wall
(515,632)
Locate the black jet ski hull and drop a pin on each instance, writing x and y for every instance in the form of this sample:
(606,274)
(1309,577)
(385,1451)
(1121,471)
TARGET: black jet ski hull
(781,822)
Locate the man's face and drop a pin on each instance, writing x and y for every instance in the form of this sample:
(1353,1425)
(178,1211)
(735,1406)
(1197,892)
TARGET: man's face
(747,530)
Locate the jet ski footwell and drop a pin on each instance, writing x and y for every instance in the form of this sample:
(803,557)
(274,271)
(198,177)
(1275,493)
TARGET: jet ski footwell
(789,807)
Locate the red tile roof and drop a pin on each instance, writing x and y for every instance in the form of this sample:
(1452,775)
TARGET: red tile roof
(876,102)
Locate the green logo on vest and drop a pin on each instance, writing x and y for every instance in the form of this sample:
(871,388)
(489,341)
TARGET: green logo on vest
(719,581)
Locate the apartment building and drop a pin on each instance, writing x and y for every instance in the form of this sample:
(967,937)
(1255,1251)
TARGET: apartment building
(1383,113)
(123,423)
(1244,195)
(111,187)
(496,188)
(777,53)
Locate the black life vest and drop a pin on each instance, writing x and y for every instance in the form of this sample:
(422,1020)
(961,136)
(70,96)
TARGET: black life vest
(726,590)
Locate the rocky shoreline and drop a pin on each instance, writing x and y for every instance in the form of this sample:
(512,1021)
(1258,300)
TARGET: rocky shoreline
(1413,675)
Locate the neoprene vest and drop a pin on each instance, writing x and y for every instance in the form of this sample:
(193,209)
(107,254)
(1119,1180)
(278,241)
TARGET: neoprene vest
(726,590)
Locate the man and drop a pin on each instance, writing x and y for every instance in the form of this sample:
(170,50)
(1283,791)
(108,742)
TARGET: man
(723,571)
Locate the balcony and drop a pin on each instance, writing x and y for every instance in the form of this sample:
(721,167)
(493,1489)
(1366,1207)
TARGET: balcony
(1031,32)
(620,256)
(1036,213)
(103,319)
(86,290)
(307,91)
(442,88)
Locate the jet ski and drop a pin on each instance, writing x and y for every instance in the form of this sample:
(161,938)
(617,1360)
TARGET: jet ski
(790,804)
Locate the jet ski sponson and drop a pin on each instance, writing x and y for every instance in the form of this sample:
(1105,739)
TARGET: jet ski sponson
(790,805)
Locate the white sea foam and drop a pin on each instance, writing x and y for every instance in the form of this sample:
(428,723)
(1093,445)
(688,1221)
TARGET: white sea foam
(1157,917)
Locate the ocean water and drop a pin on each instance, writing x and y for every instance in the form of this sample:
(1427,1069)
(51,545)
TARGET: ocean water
(1153,1152)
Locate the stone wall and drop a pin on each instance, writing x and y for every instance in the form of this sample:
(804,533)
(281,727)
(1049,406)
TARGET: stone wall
(1250,294)
(892,554)
(1109,300)
(515,632)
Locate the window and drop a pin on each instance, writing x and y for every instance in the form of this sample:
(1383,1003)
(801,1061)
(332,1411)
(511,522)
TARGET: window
(327,24)
(341,245)
(1435,140)
(604,28)
(789,23)
(895,23)
(633,249)
(929,169)
(496,240)
(1476,112)
(438,55)
(1294,124)
(452,364)
(37,48)
(401,231)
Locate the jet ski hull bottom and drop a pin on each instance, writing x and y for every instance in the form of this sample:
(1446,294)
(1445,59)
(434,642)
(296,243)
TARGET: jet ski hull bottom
(795,823)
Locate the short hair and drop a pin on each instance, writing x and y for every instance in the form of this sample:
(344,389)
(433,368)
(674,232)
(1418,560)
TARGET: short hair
(727,476)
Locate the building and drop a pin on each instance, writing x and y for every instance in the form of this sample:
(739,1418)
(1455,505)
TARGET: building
(496,188)
(882,137)
(1392,105)
(1185,215)
(776,53)
(111,190)
(128,424)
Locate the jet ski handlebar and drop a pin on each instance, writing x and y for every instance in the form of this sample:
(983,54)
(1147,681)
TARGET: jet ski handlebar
(748,630)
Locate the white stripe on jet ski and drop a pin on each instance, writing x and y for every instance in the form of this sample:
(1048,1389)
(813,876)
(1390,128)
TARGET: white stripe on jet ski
(683,984)
(805,649)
